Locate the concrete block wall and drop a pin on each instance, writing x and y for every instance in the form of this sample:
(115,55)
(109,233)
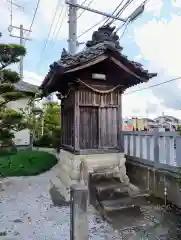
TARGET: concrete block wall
(155,180)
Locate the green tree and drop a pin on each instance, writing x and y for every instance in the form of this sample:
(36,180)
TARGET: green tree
(50,126)
(32,117)
(10,120)
(51,117)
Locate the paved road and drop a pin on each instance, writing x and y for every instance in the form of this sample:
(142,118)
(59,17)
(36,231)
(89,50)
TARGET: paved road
(27,213)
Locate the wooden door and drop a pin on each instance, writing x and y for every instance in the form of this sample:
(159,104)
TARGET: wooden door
(108,131)
(88,128)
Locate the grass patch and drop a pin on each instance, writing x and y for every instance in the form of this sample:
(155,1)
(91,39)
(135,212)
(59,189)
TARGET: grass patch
(26,163)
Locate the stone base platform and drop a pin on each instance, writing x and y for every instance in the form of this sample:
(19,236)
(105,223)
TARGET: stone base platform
(75,168)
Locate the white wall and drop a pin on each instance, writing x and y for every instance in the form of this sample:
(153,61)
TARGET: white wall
(17,105)
(22,137)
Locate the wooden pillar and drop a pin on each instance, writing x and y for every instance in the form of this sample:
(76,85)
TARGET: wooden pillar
(120,124)
(76,121)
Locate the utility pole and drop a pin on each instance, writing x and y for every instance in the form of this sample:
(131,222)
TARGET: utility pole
(72,42)
(72,21)
(21,37)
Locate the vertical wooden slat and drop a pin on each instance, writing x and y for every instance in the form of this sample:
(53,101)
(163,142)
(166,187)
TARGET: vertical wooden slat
(99,127)
(62,126)
(76,120)
(120,140)
(88,127)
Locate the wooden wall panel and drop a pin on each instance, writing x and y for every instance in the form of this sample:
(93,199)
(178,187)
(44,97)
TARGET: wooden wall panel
(89,97)
(88,134)
(108,127)
(67,126)
(91,120)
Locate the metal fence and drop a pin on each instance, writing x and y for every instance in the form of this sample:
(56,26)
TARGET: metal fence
(161,149)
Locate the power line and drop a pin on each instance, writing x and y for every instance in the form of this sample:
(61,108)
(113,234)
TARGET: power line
(34,16)
(88,5)
(155,85)
(60,25)
(46,40)
(133,16)
(105,19)
(106,22)
(91,28)
(128,2)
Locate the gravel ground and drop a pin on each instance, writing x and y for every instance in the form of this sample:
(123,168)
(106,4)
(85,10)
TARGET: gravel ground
(27,213)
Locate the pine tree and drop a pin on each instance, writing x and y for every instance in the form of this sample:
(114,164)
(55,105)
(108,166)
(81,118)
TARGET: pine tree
(10,120)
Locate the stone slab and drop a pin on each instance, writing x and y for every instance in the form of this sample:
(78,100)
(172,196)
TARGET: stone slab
(105,186)
(124,202)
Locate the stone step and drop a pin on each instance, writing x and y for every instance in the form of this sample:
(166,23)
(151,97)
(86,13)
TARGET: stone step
(114,185)
(98,176)
(124,202)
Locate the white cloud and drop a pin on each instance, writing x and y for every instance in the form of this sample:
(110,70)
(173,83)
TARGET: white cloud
(142,105)
(46,11)
(176,3)
(158,41)
(162,46)
(32,78)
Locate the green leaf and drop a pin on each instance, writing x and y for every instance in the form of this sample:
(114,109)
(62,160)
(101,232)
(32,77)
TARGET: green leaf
(11,53)
(9,76)
(12,96)
(6,87)
(10,120)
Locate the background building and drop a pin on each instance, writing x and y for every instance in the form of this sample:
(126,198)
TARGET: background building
(162,123)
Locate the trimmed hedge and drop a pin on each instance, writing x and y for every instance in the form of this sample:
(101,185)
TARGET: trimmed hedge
(26,163)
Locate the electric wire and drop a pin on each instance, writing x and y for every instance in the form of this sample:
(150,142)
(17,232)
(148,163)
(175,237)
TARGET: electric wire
(33,20)
(128,2)
(60,26)
(105,19)
(155,85)
(87,30)
(128,20)
(34,16)
(50,30)
(106,22)
(84,9)
(54,33)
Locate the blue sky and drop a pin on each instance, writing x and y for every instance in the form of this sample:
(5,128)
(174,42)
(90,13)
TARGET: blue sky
(153,39)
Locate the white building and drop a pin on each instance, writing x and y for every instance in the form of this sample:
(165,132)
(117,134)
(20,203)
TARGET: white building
(23,137)
(168,122)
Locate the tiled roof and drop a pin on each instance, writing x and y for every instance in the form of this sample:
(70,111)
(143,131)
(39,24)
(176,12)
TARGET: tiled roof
(25,87)
(104,42)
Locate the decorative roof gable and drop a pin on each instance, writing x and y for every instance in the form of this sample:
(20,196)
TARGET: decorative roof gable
(103,45)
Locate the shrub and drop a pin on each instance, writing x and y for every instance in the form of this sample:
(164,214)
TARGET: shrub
(44,141)
(26,163)
(49,140)
(4,150)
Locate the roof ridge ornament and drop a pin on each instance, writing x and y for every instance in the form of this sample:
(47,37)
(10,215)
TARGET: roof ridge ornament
(105,34)
(64,54)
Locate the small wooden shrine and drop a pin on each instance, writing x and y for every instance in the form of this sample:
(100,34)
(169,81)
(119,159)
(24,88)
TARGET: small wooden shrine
(90,85)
